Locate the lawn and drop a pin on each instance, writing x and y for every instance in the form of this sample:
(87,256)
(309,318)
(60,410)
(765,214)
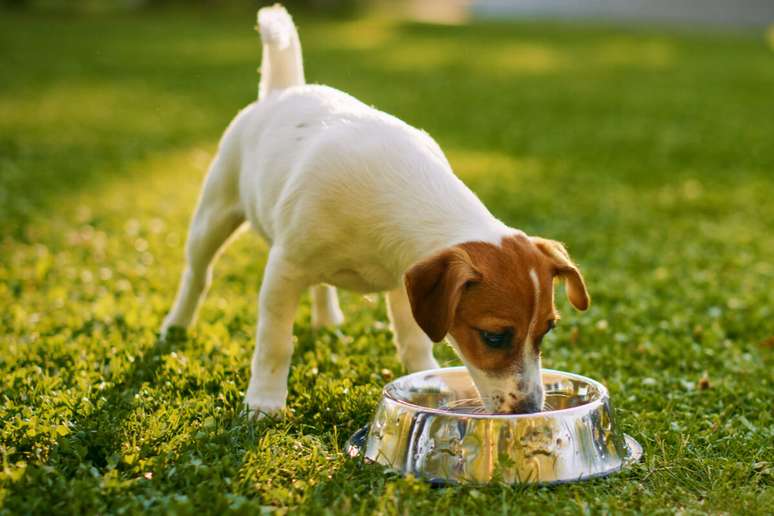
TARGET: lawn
(649,152)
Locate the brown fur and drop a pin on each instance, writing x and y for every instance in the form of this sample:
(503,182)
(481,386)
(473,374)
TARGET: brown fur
(479,286)
(435,286)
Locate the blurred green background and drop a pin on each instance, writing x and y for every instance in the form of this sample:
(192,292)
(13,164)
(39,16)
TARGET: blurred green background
(82,6)
(648,150)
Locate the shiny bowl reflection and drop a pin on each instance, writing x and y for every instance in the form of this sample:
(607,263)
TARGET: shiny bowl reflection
(431,424)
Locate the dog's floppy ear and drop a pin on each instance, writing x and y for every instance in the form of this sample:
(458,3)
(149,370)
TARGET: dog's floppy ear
(434,287)
(563,267)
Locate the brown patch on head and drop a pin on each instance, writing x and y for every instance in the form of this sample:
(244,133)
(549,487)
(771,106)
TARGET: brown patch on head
(504,299)
(478,286)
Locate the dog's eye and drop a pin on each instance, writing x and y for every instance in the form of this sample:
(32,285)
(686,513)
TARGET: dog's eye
(496,339)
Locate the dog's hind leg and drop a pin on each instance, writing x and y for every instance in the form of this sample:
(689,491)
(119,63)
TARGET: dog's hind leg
(325,306)
(217,217)
(414,347)
(281,290)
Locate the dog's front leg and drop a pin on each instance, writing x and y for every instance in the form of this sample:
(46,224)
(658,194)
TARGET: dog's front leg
(414,347)
(281,290)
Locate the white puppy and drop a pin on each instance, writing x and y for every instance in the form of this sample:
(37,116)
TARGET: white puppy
(348,196)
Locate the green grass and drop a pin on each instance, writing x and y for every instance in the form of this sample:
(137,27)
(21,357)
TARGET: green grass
(650,153)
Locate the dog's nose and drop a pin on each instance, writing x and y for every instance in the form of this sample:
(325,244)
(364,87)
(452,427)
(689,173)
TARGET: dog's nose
(529,404)
(526,406)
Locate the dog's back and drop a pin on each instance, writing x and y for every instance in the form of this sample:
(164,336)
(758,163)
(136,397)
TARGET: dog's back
(323,174)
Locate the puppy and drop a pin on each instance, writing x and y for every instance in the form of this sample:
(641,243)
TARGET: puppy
(348,196)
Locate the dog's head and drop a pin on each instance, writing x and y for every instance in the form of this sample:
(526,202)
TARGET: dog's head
(496,303)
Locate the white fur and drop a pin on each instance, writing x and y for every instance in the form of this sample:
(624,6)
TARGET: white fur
(346,195)
(281,64)
(517,388)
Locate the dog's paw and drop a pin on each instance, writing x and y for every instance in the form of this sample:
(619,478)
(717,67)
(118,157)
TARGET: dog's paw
(259,407)
(172,332)
(263,402)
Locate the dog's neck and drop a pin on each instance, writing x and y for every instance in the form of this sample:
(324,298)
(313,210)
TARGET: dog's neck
(439,229)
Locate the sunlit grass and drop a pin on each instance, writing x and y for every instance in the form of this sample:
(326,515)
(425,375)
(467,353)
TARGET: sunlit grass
(518,54)
(421,56)
(625,51)
(76,112)
(369,34)
(521,58)
(491,167)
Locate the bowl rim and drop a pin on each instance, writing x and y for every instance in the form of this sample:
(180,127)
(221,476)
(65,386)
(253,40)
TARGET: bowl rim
(585,408)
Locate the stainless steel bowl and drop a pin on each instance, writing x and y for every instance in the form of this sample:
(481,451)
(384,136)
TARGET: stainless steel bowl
(431,425)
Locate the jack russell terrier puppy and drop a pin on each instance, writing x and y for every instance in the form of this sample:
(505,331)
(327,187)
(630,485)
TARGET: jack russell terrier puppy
(348,196)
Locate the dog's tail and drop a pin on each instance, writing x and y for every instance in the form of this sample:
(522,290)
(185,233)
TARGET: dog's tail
(281,65)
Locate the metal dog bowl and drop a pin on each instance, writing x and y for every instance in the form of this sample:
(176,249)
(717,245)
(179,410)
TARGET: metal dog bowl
(431,425)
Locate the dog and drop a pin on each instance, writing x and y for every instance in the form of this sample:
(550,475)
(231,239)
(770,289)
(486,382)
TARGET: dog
(350,197)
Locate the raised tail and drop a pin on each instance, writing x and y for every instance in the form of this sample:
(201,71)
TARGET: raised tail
(282,64)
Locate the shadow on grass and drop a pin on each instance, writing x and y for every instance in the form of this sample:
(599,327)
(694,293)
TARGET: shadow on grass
(94,444)
(87,471)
